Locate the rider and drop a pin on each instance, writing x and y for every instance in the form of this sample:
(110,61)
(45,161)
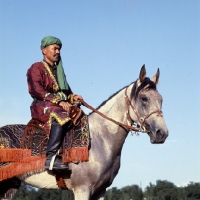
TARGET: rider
(52,96)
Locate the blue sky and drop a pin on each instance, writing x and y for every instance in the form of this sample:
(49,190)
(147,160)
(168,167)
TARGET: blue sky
(105,43)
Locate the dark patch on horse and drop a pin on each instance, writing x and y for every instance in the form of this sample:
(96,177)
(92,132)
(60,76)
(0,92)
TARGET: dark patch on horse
(148,83)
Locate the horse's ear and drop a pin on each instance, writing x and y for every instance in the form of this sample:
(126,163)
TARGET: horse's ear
(155,78)
(142,74)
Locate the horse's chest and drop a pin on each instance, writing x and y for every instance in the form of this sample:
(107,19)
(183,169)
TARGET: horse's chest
(109,174)
(114,169)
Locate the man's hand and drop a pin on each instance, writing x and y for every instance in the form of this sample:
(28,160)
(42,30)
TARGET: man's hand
(65,105)
(78,97)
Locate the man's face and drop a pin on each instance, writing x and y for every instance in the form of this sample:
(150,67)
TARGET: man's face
(51,53)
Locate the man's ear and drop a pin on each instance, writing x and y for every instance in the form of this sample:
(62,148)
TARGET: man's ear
(44,51)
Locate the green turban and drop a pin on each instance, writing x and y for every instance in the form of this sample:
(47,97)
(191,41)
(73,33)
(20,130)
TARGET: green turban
(62,81)
(48,40)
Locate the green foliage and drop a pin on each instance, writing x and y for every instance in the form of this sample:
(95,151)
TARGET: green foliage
(133,192)
(165,190)
(193,191)
(162,190)
(116,194)
(28,193)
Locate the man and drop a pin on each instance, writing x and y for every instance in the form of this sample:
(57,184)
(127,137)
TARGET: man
(52,96)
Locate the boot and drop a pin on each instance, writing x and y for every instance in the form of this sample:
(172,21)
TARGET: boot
(53,161)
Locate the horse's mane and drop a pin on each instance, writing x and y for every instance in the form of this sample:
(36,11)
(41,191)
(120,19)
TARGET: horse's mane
(147,83)
(104,102)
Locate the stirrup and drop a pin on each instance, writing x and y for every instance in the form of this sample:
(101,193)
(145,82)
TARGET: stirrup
(53,165)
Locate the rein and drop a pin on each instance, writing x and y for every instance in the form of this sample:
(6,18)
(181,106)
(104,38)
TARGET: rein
(108,118)
(140,124)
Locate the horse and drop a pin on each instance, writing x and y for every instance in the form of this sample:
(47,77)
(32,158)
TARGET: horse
(136,105)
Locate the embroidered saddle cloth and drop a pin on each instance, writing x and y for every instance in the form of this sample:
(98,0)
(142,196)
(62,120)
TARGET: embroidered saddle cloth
(75,145)
(23,148)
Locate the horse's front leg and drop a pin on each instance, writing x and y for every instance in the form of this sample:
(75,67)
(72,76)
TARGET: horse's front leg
(99,196)
(82,193)
(85,195)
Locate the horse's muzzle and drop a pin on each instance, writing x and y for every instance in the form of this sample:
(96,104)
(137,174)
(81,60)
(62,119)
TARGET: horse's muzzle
(158,136)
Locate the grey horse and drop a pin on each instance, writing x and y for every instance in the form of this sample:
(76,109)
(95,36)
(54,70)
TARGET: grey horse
(137,104)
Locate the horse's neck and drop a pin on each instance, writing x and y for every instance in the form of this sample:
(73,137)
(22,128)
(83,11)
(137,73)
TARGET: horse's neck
(114,108)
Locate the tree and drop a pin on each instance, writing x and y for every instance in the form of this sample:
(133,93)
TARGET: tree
(148,194)
(113,194)
(181,193)
(116,194)
(29,193)
(133,192)
(192,191)
(25,192)
(163,190)
(108,194)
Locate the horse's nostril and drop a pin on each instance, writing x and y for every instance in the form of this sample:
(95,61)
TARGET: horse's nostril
(159,134)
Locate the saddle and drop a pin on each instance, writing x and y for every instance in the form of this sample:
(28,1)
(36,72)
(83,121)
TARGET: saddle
(75,145)
(30,154)
(75,114)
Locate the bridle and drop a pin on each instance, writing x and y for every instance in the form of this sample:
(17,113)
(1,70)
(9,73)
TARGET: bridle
(141,120)
(138,126)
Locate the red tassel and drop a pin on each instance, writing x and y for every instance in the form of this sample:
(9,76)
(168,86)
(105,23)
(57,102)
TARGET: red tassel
(25,165)
(78,154)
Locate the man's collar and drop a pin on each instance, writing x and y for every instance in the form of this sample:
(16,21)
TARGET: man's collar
(49,64)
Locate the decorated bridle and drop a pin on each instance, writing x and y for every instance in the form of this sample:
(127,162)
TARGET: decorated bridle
(141,120)
(138,126)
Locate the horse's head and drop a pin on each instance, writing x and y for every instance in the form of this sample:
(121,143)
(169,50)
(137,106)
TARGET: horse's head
(146,105)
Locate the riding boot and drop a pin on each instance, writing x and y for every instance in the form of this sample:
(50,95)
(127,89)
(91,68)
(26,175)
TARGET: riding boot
(53,161)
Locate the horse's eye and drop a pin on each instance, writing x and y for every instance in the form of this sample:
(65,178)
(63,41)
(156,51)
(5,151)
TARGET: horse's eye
(144,99)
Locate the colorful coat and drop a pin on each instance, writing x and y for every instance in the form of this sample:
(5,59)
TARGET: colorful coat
(44,89)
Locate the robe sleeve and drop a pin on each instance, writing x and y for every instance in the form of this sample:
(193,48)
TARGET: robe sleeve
(35,79)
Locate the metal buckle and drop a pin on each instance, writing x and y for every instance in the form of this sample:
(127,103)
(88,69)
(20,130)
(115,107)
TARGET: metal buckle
(141,119)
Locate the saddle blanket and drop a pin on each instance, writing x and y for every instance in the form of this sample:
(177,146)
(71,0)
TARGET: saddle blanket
(24,147)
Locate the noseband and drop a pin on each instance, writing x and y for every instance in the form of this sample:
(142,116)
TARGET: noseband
(141,120)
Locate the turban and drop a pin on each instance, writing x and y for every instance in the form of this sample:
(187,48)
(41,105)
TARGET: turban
(48,40)
(62,81)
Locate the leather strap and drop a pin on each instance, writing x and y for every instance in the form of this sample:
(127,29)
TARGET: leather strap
(108,118)
(60,181)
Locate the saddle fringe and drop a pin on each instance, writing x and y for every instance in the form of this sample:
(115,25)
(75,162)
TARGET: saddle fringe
(13,155)
(77,154)
(22,166)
